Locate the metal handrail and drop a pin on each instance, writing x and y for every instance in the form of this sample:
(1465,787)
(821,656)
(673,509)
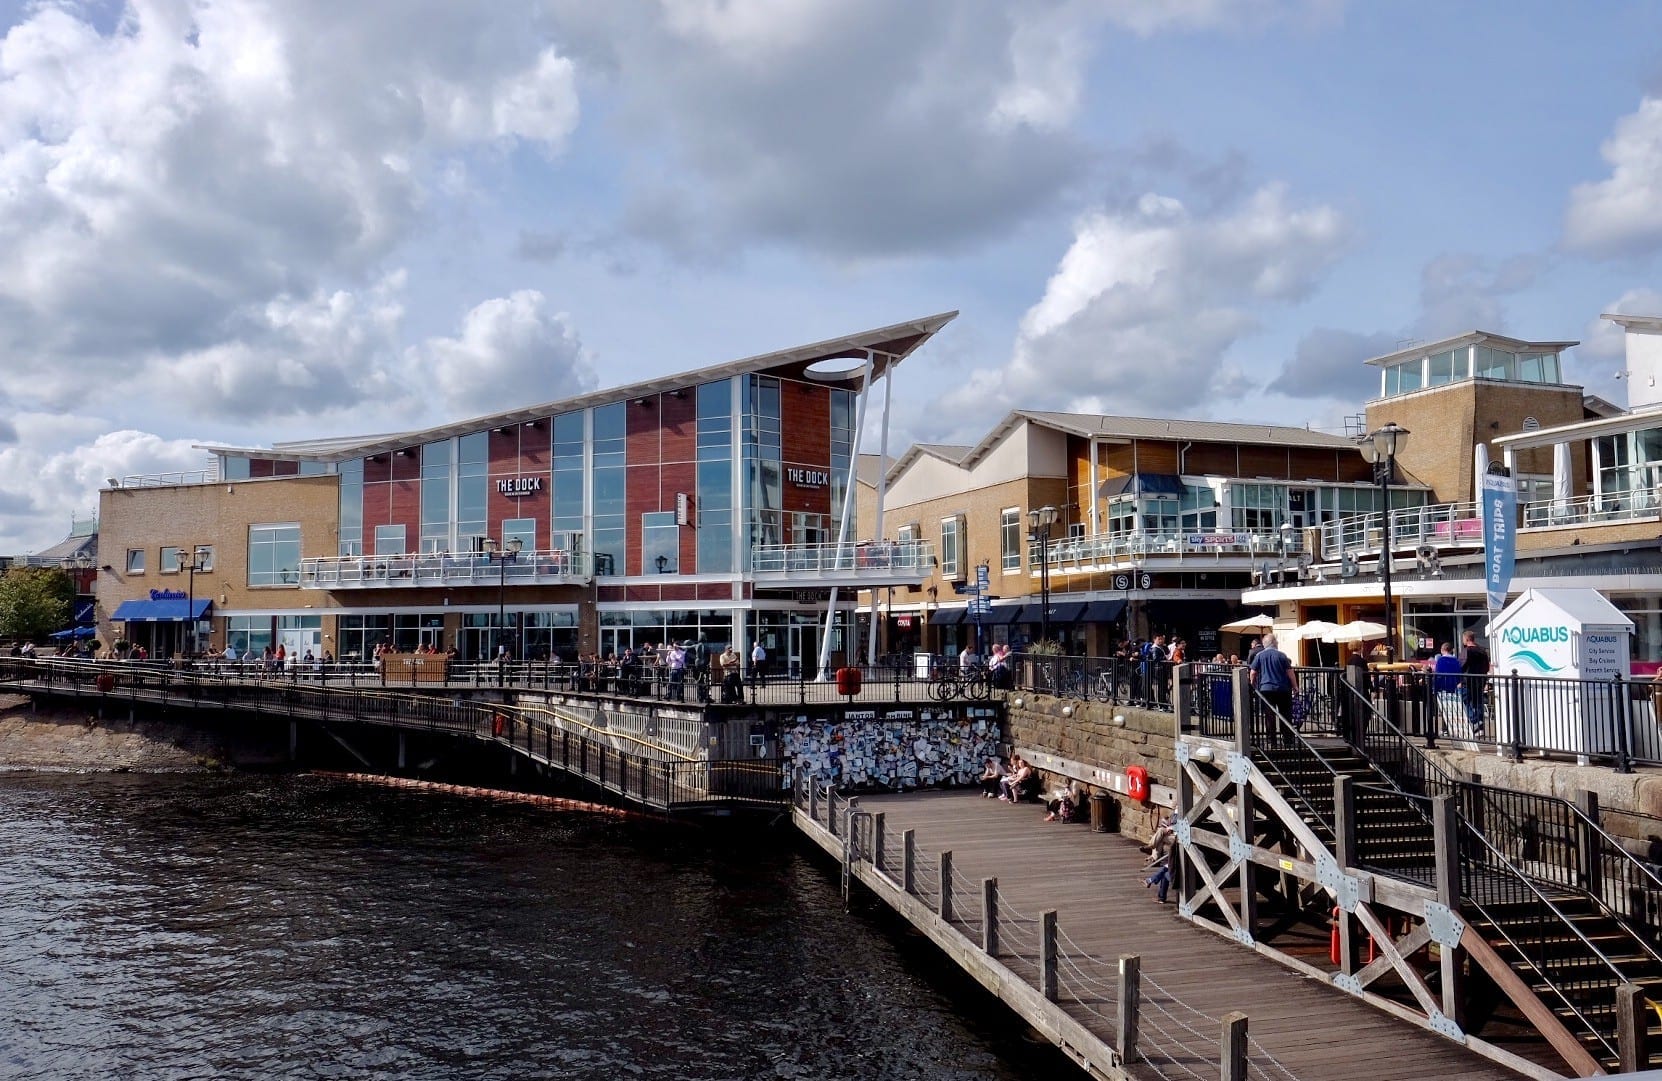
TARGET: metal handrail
(875,556)
(1437,524)
(1637,504)
(416,568)
(1136,545)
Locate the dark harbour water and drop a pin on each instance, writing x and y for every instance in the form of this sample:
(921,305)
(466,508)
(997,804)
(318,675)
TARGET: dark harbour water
(302,927)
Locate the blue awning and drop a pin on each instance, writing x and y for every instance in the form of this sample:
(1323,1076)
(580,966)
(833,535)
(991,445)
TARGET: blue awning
(1141,484)
(946,617)
(74,632)
(1102,612)
(168,611)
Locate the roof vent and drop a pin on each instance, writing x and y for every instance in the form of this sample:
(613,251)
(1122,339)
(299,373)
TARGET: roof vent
(1530,424)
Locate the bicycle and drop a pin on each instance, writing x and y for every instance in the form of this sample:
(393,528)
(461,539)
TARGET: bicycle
(1112,686)
(943,684)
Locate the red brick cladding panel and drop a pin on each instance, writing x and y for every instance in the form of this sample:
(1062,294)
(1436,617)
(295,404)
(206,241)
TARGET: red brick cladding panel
(805,443)
(514,454)
(679,453)
(392,495)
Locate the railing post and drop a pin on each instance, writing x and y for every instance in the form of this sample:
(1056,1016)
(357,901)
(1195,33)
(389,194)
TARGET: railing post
(1241,696)
(1047,954)
(909,855)
(1621,715)
(813,802)
(877,822)
(1182,696)
(1632,1028)
(1244,706)
(945,885)
(1344,833)
(1589,867)
(989,916)
(1130,1004)
(1445,824)
(1514,696)
(1233,1048)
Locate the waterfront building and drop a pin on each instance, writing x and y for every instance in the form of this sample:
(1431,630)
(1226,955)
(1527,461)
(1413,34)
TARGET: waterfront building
(709,502)
(1589,476)
(1159,524)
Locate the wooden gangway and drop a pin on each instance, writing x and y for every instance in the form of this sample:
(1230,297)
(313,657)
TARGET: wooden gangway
(1300,1029)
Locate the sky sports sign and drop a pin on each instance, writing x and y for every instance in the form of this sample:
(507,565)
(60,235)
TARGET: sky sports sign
(1500,511)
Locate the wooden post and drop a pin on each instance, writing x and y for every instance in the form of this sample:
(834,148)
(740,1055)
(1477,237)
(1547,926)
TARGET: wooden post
(1130,1004)
(945,912)
(1632,1028)
(989,916)
(877,841)
(1242,698)
(1588,864)
(1182,698)
(1184,876)
(908,870)
(1344,832)
(1233,1049)
(1445,823)
(1243,799)
(1047,954)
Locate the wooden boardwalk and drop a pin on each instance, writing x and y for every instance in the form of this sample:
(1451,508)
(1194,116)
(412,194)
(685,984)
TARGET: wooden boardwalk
(1094,882)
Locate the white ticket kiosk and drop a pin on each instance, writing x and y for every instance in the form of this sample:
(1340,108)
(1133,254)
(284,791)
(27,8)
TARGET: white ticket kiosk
(1569,646)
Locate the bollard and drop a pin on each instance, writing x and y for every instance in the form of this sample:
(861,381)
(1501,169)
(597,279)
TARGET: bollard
(1632,1028)
(908,846)
(1130,1004)
(1233,1048)
(989,916)
(945,912)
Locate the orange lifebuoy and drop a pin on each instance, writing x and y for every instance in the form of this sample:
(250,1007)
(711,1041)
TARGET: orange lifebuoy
(499,724)
(1136,783)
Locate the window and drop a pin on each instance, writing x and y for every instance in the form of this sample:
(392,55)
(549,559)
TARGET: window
(351,541)
(1402,378)
(389,540)
(1159,513)
(170,562)
(1495,363)
(660,543)
(274,554)
(472,463)
(135,561)
(1257,508)
(1009,539)
(713,490)
(1199,508)
(607,487)
(522,529)
(435,496)
(1442,367)
(234,468)
(952,540)
(911,531)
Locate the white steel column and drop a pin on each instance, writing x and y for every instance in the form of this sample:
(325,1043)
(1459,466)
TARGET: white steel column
(1090,491)
(848,506)
(882,493)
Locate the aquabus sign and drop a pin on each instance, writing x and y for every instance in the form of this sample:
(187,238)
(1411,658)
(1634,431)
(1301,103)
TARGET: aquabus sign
(1536,650)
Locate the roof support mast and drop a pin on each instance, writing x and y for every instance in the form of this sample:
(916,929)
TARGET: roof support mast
(861,413)
(882,493)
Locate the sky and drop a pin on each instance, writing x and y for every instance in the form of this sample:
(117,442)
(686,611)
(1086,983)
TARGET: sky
(246,221)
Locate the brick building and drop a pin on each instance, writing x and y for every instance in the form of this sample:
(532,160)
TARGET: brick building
(709,503)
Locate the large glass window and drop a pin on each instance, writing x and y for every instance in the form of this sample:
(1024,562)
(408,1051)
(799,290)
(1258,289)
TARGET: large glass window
(842,448)
(952,542)
(567,520)
(523,530)
(1445,367)
(1402,378)
(472,464)
(1199,508)
(713,500)
(1122,515)
(608,488)
(1009,538)
(1159,513)
(389,540)
(274,554)
(1492,363)
(762,456)
(351,538)
(1257,508)
(435,497)
(234,468)
(660,543)
(1615,464)
(249,634)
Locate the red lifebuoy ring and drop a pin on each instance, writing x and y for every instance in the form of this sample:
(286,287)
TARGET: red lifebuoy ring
(1136,783)
(499,724)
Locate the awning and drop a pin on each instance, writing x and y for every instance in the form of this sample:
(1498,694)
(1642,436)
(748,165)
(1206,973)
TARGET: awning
(1141,484)
(164,611)
(1200,613)
(946,617)
(1061,613)
(1102,612)
(74,632)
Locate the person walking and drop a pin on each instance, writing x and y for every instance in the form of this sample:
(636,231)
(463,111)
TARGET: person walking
(732,686)
(1475,667)
(758,665)
(1271,675)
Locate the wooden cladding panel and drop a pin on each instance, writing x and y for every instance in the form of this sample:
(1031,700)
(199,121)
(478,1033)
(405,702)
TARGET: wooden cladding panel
(1156,456)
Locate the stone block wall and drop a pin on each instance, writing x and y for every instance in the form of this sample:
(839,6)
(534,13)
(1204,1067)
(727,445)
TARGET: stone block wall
(1090,737)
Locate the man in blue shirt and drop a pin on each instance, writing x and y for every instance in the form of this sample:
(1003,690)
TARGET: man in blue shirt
(1271,674)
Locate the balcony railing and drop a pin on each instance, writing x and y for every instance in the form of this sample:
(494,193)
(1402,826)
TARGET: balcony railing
(435,569)
(1440,525)
(870,559)
(1185,545)
(167,480)
(1637,505)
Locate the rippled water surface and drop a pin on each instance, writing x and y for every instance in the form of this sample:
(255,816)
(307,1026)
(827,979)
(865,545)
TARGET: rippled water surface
(171,927)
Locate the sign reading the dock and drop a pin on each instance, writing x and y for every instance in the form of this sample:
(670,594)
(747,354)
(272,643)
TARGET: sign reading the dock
(807,478)
(519,485)
(1499,507)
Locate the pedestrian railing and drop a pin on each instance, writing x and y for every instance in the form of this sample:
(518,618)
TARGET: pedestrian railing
(1142,1021)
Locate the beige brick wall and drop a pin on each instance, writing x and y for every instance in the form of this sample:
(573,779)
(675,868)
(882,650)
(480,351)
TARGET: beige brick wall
(210,514)
(1446,423)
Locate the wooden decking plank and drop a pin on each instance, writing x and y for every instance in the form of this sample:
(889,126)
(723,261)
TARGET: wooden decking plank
(1094,882)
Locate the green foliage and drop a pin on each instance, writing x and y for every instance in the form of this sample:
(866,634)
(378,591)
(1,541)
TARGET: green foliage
(1045,649)
(34,602)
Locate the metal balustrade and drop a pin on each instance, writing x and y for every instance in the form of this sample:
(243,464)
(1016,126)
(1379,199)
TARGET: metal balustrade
(876,559)
(1180,545)
(1436,525)
(442,569)
(1639,504)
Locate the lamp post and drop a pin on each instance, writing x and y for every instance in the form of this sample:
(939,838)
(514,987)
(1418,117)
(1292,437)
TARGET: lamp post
(191,567)
(1039,522)
(501,557)
(1380,448)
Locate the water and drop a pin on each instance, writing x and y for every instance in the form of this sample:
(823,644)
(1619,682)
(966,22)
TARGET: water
(261,927)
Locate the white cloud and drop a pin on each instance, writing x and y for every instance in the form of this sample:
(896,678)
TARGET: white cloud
(511,351)
(1622,214)
(1145,304)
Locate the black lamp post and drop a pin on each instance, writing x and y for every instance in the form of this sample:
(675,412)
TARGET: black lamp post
(1380,448)
(1039,522)
(191,567)
(501,557)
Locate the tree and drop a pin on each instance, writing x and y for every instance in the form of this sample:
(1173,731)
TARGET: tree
(35,601)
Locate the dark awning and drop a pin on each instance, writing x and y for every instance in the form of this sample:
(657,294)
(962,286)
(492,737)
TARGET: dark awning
(946,617)
(1141,484)
(1190,615)
(1102,612)
(162,611)
(1061,612)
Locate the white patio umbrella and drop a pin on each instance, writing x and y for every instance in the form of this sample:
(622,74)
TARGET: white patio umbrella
(1357,630)
(1249,625)
(1314,630)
